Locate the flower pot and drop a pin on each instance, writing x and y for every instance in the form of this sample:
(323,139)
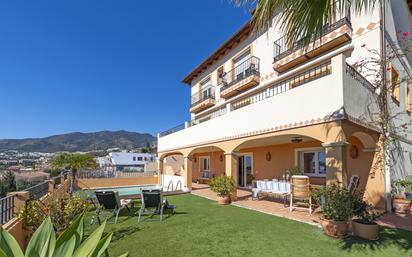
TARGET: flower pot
(365,231)
(223,200)
(401,205)
(335,229)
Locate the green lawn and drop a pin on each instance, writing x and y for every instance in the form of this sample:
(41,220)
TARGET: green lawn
(203,228)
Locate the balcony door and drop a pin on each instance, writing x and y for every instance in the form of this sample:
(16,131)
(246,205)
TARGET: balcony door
(245,170)
(241,64)
(206,89)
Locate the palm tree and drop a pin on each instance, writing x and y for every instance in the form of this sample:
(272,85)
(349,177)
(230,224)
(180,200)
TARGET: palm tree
(301,19)
(74,162)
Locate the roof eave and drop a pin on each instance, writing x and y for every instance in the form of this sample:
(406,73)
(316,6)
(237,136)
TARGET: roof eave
(229,44)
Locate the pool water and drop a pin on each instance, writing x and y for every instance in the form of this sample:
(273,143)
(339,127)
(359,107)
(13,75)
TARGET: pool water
(132,190)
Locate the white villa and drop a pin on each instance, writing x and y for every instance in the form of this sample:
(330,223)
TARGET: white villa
(260,107)
(126,160)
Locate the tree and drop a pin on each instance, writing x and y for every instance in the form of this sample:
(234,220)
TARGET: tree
(74,162)
(7,183)
(301,19)
(147,148)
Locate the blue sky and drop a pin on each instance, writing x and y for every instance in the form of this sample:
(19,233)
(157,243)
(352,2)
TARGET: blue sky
(91,65)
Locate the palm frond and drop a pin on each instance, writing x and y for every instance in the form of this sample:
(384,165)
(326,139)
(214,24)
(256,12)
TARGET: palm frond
(302,19)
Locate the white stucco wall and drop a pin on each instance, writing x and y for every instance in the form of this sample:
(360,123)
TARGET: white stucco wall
(310,101)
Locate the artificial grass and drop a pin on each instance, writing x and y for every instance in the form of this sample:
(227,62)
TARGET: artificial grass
(201,227)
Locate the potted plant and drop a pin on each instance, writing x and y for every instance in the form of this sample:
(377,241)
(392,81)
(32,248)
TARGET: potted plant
(364,225)
(293,171)
(337,205)
(249,179)
(400,203)
(223,187)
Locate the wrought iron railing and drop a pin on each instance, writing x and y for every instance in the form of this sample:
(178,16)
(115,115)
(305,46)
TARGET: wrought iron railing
(6,209)
(172,130)
(351,71)
(206,93)
(215,114)
(38,191)
(285,85)
(242,71)
(282,48)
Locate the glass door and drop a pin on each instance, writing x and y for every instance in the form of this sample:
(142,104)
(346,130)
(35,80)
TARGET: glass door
(245,177)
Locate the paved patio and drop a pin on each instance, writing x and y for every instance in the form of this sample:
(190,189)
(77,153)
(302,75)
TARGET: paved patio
(275,207)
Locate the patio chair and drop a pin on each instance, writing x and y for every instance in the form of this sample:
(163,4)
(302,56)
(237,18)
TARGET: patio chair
(300,190)
(151,203)
(353,184)
(109,200)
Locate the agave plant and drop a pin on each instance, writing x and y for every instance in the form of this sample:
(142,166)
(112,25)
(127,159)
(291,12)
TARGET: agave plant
(69,244)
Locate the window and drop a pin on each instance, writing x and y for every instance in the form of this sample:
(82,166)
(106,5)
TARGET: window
(134,158)
(206,88)
(394,77)
(140,158)
(204,163)
(313,162)
(241,63)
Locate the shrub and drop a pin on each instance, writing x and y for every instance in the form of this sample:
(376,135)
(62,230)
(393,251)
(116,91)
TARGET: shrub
(70,243)
(222,185)
(337,202)
(363,211)
(62,210)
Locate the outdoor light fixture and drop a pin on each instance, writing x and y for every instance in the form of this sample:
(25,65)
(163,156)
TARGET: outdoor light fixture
(268,156)
(296,140)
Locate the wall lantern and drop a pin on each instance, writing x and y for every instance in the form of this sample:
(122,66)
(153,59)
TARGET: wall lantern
(268,156)
(296,140)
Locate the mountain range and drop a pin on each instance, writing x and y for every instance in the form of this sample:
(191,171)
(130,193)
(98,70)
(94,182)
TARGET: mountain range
(78,141)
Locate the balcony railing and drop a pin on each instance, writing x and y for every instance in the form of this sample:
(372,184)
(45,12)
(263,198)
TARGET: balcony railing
(173,130)
(38,191)
(6,209)
(242,71)
(285,85)
(359,77)
(282,48)
(204,94)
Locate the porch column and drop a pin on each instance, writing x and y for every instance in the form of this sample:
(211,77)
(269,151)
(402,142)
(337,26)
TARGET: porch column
(160,163)
(336,167)
(231,170)
(188,164)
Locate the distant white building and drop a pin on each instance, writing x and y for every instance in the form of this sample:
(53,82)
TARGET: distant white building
(126,161)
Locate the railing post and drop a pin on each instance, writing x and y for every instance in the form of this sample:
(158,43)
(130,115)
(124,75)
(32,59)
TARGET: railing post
(51,186)
(20,199)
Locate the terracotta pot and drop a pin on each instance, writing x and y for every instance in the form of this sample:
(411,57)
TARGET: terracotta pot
(223,199)
(365,231)
(401,205)
(335,229)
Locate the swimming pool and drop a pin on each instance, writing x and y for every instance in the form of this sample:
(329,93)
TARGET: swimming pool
(124,192)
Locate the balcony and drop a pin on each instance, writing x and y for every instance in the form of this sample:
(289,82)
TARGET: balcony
(202,100)
(241,78)
(287,56)
(317,94)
